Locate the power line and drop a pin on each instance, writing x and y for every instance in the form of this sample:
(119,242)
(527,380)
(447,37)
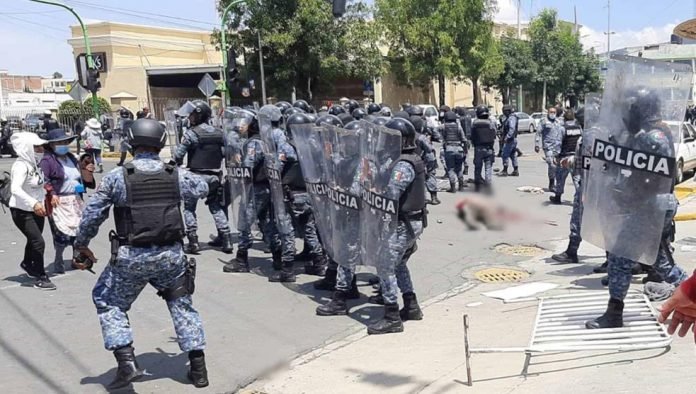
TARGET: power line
(29,12)
(34,23)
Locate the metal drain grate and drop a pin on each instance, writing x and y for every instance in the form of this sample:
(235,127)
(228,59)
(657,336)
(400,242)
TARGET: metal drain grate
(496,275)
(519,250)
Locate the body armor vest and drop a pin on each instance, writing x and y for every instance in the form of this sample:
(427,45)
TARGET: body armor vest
(506,126)
(258,173)
(292,174)
(152,215)
(207,155)
(483,133)
(570,140)
(413,199)
(452,136)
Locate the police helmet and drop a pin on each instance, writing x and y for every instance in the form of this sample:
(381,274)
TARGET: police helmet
(415,110)
(641,107)
(373,108)
(359,113)
(303,105)
(402,115)
(147,132)
(336,110)
(507,110)
(444,108)
(124,113)
(312,116)
(351,106)
(417,123)
(272,112)
(450,117)
(283,105)
(482,112)
(292,111)
(408,132)
(405,106)
(331,120)
(386,111)
(354,125)
(198,112)
(381,120)
(298,118)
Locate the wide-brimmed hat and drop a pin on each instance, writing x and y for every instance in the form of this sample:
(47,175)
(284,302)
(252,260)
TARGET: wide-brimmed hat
(93,124)
(58,135)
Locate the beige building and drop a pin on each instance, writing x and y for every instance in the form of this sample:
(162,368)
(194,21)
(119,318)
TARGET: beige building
(148,65)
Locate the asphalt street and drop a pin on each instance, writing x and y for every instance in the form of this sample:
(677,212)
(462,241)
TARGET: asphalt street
(51,341)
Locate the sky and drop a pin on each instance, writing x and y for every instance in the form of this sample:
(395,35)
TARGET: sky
(33,37)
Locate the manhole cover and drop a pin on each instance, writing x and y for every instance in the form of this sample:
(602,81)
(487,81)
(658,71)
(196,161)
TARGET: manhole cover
(493,275)
(519,250)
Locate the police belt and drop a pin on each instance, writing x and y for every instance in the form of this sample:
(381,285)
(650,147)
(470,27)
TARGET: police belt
(118,241)
(206,172)
(487,146)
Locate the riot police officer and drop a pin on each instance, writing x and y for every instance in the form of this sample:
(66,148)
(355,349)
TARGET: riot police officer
(303,105)
(454,144)
(358,114)
(253,188)
(509,136)
(570,135)
(407,186)
(373,108)
(204,145)
(145,248)
(351,106)
(336,110)
(426,151)
(483,133)
(548,139)
(124,123)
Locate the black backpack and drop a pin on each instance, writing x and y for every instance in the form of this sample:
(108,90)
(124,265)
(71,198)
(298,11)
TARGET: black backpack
(5,189)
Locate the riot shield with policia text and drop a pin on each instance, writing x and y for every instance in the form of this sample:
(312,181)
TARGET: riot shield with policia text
(309,145)
(274,169)
(632,172)
(380,148)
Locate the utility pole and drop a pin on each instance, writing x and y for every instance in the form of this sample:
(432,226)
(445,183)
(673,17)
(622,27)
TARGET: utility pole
(263,73)
(88,49)
(520,94)
(223,48)
(609,33)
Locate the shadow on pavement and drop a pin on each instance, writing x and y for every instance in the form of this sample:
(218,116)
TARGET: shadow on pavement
(382,379)
(159,365)
(594,283)
(570,269)
(23,279)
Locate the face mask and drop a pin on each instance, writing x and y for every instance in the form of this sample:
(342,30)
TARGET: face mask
(552,116)
(62,150)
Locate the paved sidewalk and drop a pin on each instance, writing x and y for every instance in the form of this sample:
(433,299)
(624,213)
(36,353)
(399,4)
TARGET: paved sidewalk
(428,357)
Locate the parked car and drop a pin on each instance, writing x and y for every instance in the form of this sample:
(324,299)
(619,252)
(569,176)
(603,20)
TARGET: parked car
(33,122)
(685,146)
(537,117)
(431,116)
(525,123)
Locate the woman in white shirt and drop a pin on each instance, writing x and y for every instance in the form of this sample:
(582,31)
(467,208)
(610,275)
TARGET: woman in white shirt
(27,205)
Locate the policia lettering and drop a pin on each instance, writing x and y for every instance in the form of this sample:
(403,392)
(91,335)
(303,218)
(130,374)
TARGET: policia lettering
(379,202)
(344,199)
(239,172)
(319,189)
(634,159)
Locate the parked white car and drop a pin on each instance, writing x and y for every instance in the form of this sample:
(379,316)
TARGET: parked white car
(431,116)
(685,146)
(525,123)
(537,117)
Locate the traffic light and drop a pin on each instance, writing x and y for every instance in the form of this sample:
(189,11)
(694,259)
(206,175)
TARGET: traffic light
(232,72)
(339,8)
(93,84)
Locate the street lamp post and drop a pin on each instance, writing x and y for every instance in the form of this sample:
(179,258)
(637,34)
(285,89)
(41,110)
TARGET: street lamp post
(88,48)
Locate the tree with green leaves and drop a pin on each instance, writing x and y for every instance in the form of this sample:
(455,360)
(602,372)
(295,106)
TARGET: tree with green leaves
(519,67)
(305,48)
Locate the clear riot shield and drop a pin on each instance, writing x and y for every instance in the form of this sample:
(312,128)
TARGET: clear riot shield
(238,178)
(173,138)
(593,102)
(342,157)
(310,150)
(380,148)
(274,169)
(632,171)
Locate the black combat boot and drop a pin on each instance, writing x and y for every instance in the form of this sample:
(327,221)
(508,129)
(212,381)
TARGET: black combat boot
(602,269)
(239,264)
(328,283)
(555,199)
(377,298)
(192,247)
(337,306)
(198,374)
(286,275)
(305,254)
(612,318)
(453,187)
(227,246)
(128,370)
(411,309)
(217,241)
(566,258)
(552,184)
(317,266)
(503,172)
(353,293)
(462,184)
(515,172)
(277,260)
(390,323)
(433,199)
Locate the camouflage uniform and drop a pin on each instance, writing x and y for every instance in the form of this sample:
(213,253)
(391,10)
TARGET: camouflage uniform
(427,153)
(548,139)
(402,244)
(214,201)
(258,205)
(510,141)
(134,267)
(301,216)
(562,173)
